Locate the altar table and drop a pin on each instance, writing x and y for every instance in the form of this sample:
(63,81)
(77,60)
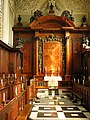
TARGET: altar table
(53,80)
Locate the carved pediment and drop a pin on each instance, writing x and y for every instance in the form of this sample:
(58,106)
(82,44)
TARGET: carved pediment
(51,22)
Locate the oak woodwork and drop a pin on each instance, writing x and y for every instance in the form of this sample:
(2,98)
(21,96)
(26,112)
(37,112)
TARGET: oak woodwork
(57,26)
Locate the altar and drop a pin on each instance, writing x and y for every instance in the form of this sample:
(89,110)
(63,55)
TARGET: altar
(53,80)
(53,84)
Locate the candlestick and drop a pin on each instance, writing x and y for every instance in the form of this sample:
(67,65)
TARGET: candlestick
(3,75)
(3,96)
(22,85)
(1,81)
(16,90)
(74,80)
(8,75)
(21,78)
(78,81)
(83,82)
(15,75)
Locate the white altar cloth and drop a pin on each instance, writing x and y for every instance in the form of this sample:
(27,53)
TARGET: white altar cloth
(57,78)
(53,80)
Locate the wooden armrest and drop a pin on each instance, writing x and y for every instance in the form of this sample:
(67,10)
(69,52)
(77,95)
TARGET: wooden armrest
(25,112)
(76,94)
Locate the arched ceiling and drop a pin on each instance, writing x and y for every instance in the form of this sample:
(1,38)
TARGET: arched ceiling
(27,7)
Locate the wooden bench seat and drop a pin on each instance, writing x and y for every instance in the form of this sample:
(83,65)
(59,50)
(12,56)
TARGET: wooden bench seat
(76,95)
(25,112)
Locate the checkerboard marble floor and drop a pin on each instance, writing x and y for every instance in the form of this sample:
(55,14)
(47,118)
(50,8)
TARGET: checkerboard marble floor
(58,108)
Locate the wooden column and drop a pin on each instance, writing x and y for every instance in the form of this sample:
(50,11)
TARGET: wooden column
(36,57)
(68,57)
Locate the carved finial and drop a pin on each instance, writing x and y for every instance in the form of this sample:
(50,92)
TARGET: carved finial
(84,21)
(51,9)
(51,6)
(19,19)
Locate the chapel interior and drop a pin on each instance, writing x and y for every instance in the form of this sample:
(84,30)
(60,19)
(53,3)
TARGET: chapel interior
(44,60)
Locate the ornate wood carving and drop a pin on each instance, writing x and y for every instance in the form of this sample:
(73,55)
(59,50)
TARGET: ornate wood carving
(50,22)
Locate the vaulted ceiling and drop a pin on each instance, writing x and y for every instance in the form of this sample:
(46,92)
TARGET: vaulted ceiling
(29,5)
(26,8)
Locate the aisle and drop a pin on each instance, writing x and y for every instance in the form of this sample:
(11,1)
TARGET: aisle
(58,108)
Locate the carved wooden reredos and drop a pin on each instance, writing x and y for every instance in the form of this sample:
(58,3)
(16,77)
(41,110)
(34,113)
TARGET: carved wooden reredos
(50,39)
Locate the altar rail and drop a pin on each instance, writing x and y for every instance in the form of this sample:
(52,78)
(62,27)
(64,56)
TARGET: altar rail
(64,84)
(41,84)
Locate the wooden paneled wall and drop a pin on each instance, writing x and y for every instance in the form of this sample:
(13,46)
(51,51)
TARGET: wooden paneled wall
(10,60)
(59,27)
(4,60)
(27,35)
(76,37)
(27,57)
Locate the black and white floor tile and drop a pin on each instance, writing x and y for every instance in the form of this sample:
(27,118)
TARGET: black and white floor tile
(58,108)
